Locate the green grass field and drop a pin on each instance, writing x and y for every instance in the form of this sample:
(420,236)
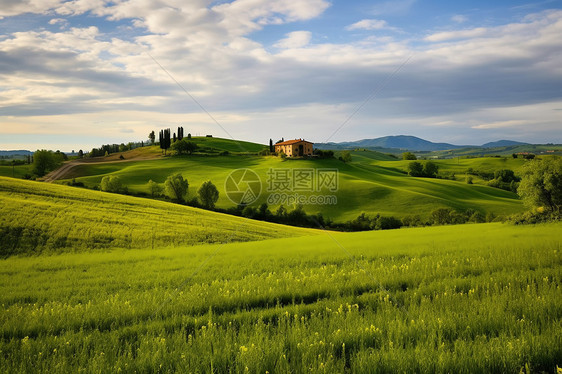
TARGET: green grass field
(36,217)
(478,298)
(370,183)
(221,144)
(18,171)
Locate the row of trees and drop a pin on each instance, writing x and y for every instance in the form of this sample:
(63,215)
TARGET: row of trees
(166,139)
(108,149)
(428,169)
(45,161)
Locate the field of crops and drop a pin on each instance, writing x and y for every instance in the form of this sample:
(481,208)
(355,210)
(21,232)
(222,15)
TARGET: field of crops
(470,298)
(367,184)
(36,217)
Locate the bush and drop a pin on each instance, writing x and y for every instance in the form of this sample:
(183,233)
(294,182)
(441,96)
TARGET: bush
(345,156)
(112,183)
(541,185)
(430,169)
(154,188)
(208,194)
(412,221)
(184,146)
(176,187)
(415,169)
(409,156)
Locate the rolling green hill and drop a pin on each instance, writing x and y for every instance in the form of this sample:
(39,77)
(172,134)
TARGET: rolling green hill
(37,217)
(467,298)
(206,144)
(369,184)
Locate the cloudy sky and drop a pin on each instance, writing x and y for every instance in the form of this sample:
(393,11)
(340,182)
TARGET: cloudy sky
(81,73)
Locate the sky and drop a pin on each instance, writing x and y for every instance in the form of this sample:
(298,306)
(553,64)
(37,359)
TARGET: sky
(78,74)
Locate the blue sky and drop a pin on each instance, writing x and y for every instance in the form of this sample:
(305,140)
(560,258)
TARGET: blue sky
(77,74)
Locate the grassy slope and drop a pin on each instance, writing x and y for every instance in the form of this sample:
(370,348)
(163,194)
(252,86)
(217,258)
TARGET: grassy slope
(363,185)
(460,166)
(469,298)
(229,145)
(36,216)
(18,172)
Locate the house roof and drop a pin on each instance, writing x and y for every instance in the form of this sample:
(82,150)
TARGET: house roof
(289,142)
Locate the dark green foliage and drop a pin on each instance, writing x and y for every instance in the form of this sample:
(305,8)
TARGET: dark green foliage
(413,221)
(505,179)
(541,185)
(208,194)
(184,146)
(345,156)
(165,139)
(271,146)
(323,154)
(176,187)
(430,169)
(409,156)
(45,161)
(154,188)
(415,169)
(152,137)
(112,183)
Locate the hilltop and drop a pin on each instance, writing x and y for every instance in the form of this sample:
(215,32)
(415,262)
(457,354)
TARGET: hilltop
(373,183)
(39,217)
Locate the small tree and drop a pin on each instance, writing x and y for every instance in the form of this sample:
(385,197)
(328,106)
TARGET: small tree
(409,156)
(43,162)
(176,187)
(541,185)
(112,183)
(345,156)
(154,188)
(208,194)
(415,169)
(271,147)
(430,169)
(152,137)
(184,146)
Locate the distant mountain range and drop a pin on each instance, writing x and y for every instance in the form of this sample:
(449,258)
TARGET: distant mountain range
(13,153)
(411,143)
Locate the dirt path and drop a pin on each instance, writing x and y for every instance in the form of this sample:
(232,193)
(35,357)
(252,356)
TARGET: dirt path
(65,169)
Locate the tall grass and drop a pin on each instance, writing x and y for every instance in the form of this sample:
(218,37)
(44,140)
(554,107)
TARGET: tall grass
(37,217)
(469,298)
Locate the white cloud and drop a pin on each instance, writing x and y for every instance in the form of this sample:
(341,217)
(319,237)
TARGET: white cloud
(368,24)
(459,18)
(503,124)
(295,39)
(13,8)
(74,74)
(54,21)
(459,34)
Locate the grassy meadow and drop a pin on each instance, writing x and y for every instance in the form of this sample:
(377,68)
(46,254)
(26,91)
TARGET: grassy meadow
(371,183)
(467,298)
(38,217)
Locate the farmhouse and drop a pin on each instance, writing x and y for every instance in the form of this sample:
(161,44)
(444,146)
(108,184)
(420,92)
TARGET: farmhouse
(295,148)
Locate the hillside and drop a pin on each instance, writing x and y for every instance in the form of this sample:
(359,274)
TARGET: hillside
(454,299)
(370,183)
(502,143)
(398,142)
(39,217)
